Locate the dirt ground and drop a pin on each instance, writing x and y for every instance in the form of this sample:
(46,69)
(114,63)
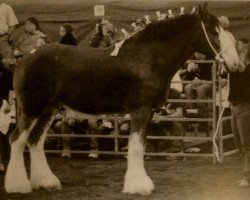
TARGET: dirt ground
(193,179)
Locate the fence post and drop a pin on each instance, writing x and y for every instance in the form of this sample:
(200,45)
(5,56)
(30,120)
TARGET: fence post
(116,132)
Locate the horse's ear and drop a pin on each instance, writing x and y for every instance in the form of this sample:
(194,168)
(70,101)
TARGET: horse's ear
(205,8)
(201,12)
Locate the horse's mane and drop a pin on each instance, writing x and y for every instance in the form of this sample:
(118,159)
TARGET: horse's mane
(171,26)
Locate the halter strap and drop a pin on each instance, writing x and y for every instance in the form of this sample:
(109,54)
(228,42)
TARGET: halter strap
(218,57)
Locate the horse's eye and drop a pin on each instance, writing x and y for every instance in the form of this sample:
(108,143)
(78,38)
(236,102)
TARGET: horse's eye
(213,32)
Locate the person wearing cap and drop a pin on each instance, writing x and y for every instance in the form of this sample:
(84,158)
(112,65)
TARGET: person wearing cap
(8,21)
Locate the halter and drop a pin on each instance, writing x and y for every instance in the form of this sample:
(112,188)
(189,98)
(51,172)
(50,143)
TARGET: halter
(218,55)
(220,59)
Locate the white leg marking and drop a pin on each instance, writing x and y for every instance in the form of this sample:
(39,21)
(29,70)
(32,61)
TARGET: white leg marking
(16,179)
(41,174)
(136,178)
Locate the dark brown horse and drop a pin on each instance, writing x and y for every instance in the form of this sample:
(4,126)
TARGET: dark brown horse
(91,81)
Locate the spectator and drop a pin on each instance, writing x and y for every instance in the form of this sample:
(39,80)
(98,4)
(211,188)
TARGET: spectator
(32,37)
(67,36)
(69,126)
(8,21)
(174,127)
(197,72)
(105,34)
(99,127)
(239,96)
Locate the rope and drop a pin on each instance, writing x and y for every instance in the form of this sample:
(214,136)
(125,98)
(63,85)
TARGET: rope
(220,59)
(217,57)
(208,40)
(218,123)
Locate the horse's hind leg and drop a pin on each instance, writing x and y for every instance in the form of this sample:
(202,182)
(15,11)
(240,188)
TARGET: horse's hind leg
(41,174)
(136,178)
(16,179)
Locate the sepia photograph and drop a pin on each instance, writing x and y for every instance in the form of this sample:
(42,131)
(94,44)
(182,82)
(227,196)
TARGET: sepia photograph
(124,100)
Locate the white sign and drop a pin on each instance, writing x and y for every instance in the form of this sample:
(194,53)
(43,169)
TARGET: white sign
(99,10)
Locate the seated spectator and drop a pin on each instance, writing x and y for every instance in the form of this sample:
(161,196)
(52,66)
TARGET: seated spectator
(99,127)
(104,35)
(67,36)
(70,126)
(32,37)
(175,128)
(201,71)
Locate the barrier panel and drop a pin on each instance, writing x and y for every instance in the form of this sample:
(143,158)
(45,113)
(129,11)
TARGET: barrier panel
(210,135)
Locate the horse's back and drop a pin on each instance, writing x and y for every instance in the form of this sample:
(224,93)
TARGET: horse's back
(84,79)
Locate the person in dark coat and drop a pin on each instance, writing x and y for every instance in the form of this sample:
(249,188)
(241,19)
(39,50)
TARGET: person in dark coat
(67,36)
(239,96)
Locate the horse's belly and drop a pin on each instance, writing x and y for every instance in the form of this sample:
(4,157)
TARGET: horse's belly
(96,106)
(71,113)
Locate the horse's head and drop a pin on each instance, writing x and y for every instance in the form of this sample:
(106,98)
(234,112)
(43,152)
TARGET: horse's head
(211,38)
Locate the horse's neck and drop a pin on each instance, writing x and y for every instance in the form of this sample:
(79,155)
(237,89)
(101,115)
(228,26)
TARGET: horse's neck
(173,54)
(166,56)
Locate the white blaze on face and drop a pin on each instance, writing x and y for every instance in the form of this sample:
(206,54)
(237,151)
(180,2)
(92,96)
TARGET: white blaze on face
(228,48)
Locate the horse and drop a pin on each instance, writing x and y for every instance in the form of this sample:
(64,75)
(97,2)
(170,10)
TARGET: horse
(91,81)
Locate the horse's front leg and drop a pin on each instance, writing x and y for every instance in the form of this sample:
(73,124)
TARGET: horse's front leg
(136,178)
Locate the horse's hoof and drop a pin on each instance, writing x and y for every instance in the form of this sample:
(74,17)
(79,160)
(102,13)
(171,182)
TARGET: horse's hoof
(138,185)
(47,183)
(18,187)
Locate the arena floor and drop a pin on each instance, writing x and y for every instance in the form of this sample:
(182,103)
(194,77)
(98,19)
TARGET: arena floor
(193,179)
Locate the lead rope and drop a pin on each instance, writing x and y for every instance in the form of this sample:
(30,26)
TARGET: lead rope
(216,150)
(218,57)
